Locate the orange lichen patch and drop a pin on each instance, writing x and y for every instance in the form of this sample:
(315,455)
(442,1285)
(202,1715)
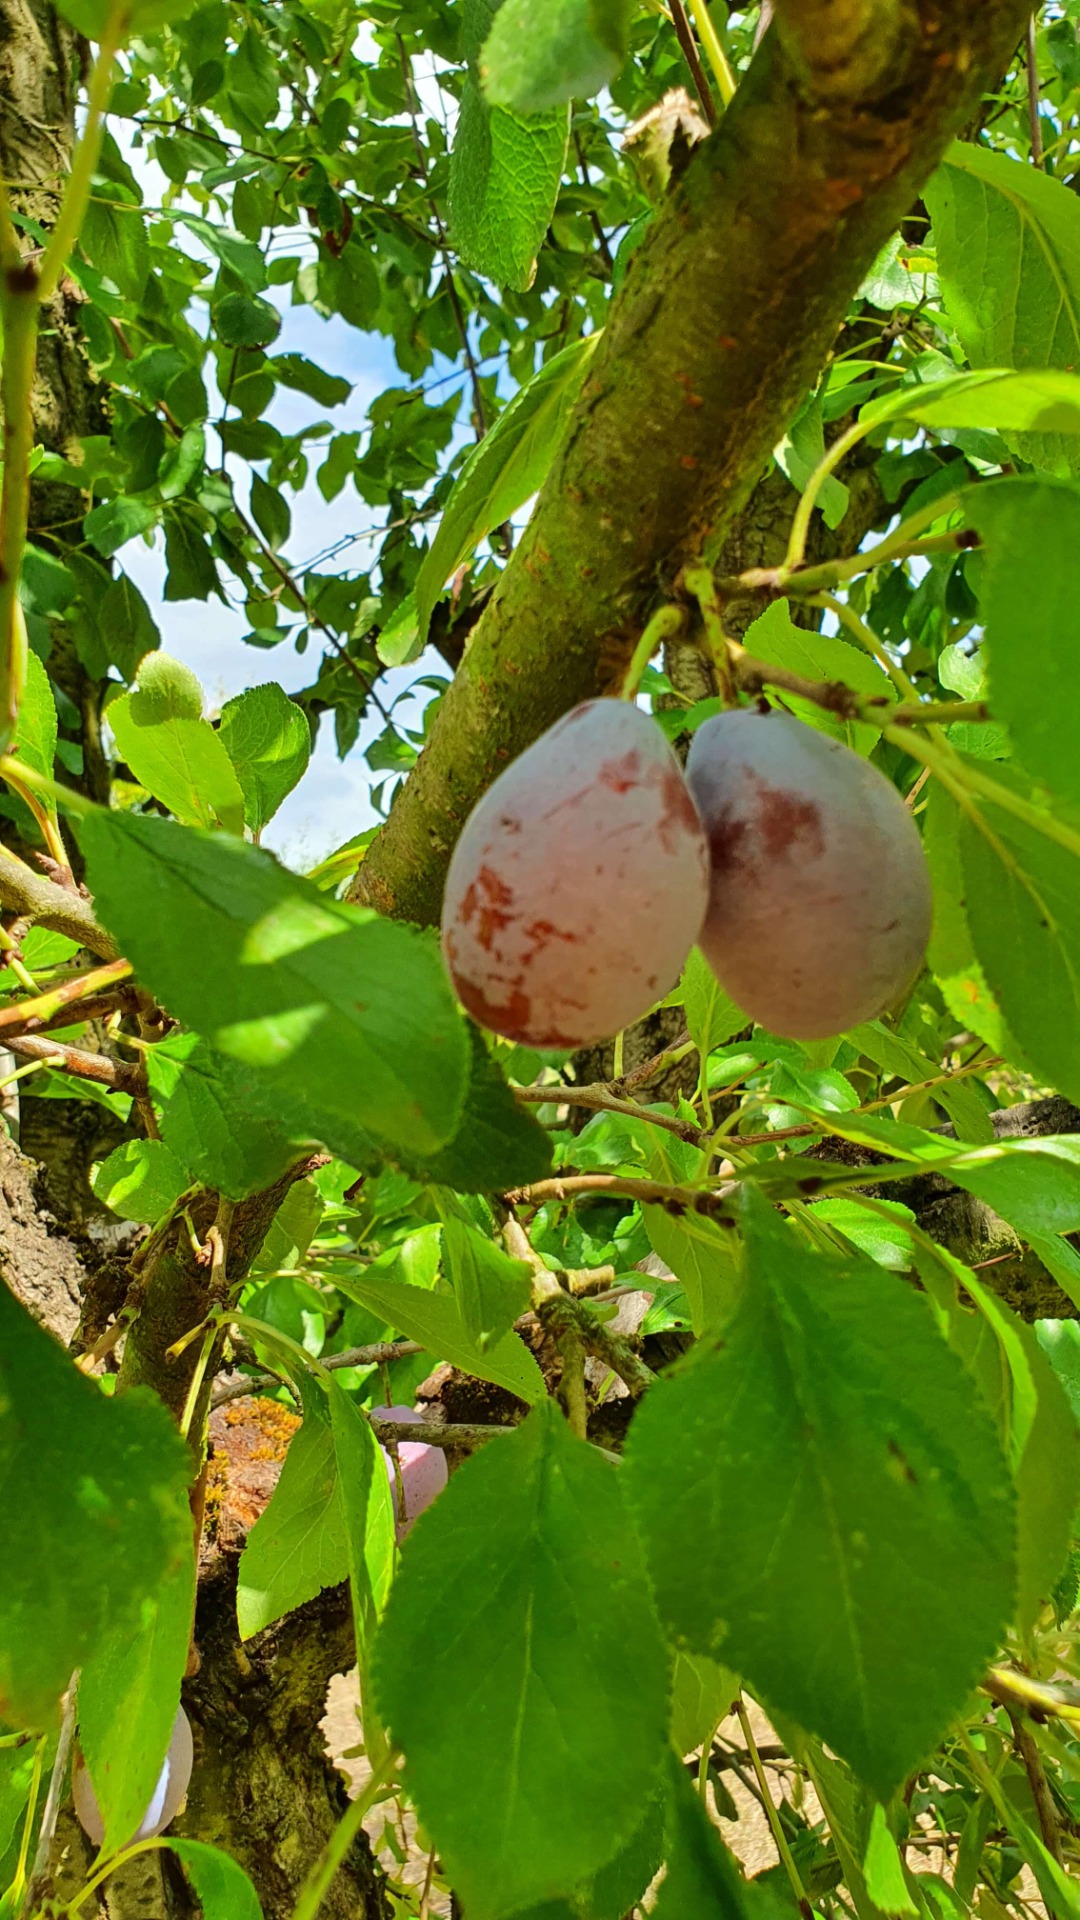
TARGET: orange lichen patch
(250,1439)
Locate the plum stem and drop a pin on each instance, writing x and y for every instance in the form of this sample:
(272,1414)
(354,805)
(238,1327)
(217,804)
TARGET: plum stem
(699,582)
(665,623)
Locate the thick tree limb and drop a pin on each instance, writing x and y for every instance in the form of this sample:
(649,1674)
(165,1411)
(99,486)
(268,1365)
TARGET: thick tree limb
(727,314)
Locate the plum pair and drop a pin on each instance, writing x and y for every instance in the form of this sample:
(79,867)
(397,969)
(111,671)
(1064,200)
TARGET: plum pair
(591,866)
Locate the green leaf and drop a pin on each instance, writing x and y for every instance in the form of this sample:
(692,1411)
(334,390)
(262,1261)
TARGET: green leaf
(16,1774)
(537,57)
(191,574)
(492,1290)
(133,1683)
(887,1241)
(182,462)
(244,320)
(803,448)
(1044,1444)
(699,1253)
(825,1504)
(820,656)
(140,1180)
(701,1695)
(436,1320)
(121,519)
(270,511)
(94,1496)
(951,955)
(702,1881)
(1008,245)
(896,1055)
(268,740)
(352,1012)
(504,181)
(883,1868)
(299,1545)
(326,389)
(1060,1341)
(1030,530)
(399,641)
(508,466)
(127,626)
(221,1118)
(1017,403)
(498,1143)
(1023,907)
(368,1512)
(545,1683)
(172,751)
(224,1890)
(35,734)
(711,1017)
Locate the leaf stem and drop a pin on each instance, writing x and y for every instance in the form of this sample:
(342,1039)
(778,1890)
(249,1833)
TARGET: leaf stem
(318,1882)
(700,582)
(771,1814)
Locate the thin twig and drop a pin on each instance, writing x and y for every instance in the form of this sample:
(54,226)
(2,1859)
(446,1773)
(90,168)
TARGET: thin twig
(54,1799)
(650,1193)
(1027,1748)
(693,59)
(594,218)
(86,1066)
(28,1014)
(380,1353)
(599,1100)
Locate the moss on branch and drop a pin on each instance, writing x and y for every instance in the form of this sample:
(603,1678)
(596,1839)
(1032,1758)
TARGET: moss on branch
(727,314)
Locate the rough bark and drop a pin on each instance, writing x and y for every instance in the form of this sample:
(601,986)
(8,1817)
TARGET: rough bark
(728,311)
(40,1264)
(176,1291)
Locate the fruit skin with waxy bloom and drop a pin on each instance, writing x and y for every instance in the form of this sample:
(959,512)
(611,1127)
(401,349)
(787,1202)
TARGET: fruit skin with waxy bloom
(579,883)
(820,902)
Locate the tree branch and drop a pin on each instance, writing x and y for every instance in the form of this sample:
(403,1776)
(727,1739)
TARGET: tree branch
(727,314)
(847,49)
(24,892)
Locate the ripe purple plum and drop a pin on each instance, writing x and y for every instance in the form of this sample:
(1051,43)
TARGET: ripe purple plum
(579,883)
(167,1796)
(423,1470)
(820,902)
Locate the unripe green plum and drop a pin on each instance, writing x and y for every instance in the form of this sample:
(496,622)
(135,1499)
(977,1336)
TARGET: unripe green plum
(820,899)
(167,1797)
(578,885)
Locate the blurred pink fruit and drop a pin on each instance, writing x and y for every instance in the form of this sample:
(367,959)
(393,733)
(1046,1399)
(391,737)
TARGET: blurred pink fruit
(423,1469)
